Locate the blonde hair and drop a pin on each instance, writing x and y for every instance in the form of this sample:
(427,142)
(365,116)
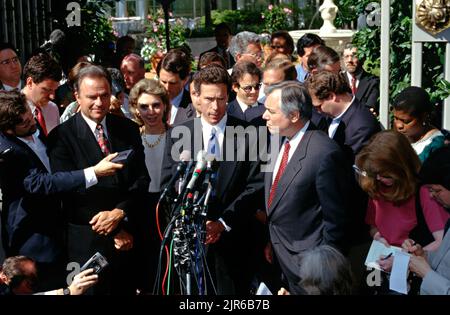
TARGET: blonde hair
(389,154)
(151,87)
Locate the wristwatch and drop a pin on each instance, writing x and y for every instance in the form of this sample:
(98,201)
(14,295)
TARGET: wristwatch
(66,291)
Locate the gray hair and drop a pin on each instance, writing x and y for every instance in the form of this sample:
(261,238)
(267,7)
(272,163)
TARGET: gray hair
(240,42)
(294,98)
(325,271)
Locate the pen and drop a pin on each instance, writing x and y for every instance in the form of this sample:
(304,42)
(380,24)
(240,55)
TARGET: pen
(390,254)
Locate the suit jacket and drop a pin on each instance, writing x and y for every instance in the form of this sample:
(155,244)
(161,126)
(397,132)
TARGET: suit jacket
(251,114)
(238,195)
(72,145)
(437,281)
(186,110)
(355,129)
(32,223)
(310,206)
(235,197)
(368,90)
(229,60)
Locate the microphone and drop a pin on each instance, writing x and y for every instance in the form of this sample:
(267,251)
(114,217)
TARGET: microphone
(56,40)
(199,168)
(185,157)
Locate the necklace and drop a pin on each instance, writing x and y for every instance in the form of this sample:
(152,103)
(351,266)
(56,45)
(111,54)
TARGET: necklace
(154,144)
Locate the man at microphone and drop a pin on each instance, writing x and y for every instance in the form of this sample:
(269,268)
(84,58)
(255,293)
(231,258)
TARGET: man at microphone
(238,184)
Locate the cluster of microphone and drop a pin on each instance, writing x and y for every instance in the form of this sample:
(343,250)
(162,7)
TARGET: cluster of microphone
(195,182)
(187,194)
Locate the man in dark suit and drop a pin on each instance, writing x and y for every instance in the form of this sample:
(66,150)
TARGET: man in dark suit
(101,219)
(32,223)
(246,83)
(350,122)
(10,68)
(223,35)
(307,192)
(173,74)
(364,86)
(238,187)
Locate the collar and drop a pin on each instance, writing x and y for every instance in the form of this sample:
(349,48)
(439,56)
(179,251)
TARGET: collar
(244,106)
(7,87)
(93,125)
(220,126)
(339,117)
(295,140)
(177,100)
(35,136)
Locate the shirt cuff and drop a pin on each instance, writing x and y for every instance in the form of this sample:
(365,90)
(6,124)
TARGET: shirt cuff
(227,228)
(90,177)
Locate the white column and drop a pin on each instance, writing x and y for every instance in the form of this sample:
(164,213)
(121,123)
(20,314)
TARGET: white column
(121,9)
(141,8)
(416,63)
(446,108)
(384,67)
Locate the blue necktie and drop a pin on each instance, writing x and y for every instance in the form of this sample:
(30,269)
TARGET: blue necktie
(213,145)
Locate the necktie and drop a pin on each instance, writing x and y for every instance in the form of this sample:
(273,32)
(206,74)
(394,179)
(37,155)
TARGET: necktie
(40,119)
(213,145)
(101,139)
(353,85)
(283,163)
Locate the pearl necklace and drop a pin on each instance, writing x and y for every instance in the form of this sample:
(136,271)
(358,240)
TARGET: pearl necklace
(154,144)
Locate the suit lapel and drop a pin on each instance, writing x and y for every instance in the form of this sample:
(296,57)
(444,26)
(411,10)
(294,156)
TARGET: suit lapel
(294,166)
(227,168)
(89,147)
(235,110)
(24,146)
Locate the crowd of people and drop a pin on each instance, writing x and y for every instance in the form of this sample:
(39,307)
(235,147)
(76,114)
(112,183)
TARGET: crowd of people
(304,225)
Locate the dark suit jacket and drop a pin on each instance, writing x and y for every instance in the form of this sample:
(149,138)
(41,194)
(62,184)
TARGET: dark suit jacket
(72,145)
(357,126)
(251,115)
(32,223)
(238,194)
(368,90)
(186,110)
(311,202)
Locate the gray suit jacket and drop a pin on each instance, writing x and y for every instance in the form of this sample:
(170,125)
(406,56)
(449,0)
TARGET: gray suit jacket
(310,206)
(437,281)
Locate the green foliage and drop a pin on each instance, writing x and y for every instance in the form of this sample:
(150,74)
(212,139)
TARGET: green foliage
(155,40)
(239,20)
(277,17)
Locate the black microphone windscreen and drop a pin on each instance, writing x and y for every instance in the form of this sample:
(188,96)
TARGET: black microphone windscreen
(57,37)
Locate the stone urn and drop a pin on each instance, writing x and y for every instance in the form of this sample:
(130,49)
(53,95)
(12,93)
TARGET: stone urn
(328,12)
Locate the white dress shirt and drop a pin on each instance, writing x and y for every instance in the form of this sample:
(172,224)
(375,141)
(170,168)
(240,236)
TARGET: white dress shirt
(50,112)
(175,104)
(294,142)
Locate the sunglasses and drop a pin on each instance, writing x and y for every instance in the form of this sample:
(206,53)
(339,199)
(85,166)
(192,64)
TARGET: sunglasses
(249,88)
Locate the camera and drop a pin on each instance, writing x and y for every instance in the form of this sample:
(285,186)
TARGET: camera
(97,262)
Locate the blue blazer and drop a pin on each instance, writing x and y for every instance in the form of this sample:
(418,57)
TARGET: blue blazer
(31,216)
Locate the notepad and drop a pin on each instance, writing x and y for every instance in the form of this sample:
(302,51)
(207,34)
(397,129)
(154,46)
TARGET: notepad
(376,250)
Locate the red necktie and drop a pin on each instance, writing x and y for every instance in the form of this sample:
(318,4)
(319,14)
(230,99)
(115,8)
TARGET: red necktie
(101,139)
(40,119)
(354,85)
(283,163)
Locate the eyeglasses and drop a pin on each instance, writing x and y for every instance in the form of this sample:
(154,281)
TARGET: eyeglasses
(385,180)
(359,171)
(248,88)
(258,55)
(10,60)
